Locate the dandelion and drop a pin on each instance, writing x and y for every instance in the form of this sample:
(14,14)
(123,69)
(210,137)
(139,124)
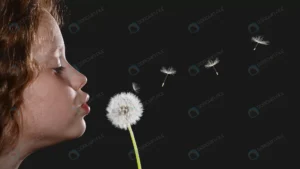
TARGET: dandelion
(169,71)
(259,40)
(125,109)
(135,87)
(211,63)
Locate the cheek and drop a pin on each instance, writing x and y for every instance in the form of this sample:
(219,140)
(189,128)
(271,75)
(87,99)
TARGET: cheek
(48,102)
(43,87)
(56,119)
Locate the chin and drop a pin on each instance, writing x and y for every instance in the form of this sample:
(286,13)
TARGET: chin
(77,131)
(81,128)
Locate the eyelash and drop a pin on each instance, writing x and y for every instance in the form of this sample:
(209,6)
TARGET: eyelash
(59,70)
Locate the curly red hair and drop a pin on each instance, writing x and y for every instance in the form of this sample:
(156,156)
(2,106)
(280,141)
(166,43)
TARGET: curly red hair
(18,25)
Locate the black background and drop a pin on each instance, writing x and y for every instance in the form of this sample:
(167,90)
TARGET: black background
(168,114)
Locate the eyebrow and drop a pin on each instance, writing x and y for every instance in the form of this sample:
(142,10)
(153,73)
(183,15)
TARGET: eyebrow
(59,48)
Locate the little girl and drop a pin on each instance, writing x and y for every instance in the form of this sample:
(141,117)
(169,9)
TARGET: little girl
(41,101)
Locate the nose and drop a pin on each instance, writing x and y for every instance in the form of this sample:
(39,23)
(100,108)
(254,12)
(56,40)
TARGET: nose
(78,81)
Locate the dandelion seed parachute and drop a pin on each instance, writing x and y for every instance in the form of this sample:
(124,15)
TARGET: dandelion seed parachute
(211,63)
(259,40)
(135,87)
(169,71)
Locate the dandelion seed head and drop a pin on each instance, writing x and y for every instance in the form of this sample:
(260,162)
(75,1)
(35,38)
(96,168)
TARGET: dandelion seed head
(124,109)
(211,63)
(169,71)
(259,39)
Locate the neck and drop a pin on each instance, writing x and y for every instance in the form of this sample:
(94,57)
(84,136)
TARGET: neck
(13,158)
(10,161)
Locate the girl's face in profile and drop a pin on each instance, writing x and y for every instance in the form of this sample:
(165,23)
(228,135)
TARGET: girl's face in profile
(52,104)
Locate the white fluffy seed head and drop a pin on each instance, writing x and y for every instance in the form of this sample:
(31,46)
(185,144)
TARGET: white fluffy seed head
(124,109)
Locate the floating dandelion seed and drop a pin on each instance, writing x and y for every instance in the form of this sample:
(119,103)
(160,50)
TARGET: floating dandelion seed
(169,71)
(124,110)
(136,87)
(211,63)
(259,40)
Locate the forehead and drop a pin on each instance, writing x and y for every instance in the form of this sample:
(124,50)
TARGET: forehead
(48,40)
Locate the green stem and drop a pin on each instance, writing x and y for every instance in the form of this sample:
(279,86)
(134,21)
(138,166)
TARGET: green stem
(135,148)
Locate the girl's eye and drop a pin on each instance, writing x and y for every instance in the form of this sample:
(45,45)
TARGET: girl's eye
(59,70)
